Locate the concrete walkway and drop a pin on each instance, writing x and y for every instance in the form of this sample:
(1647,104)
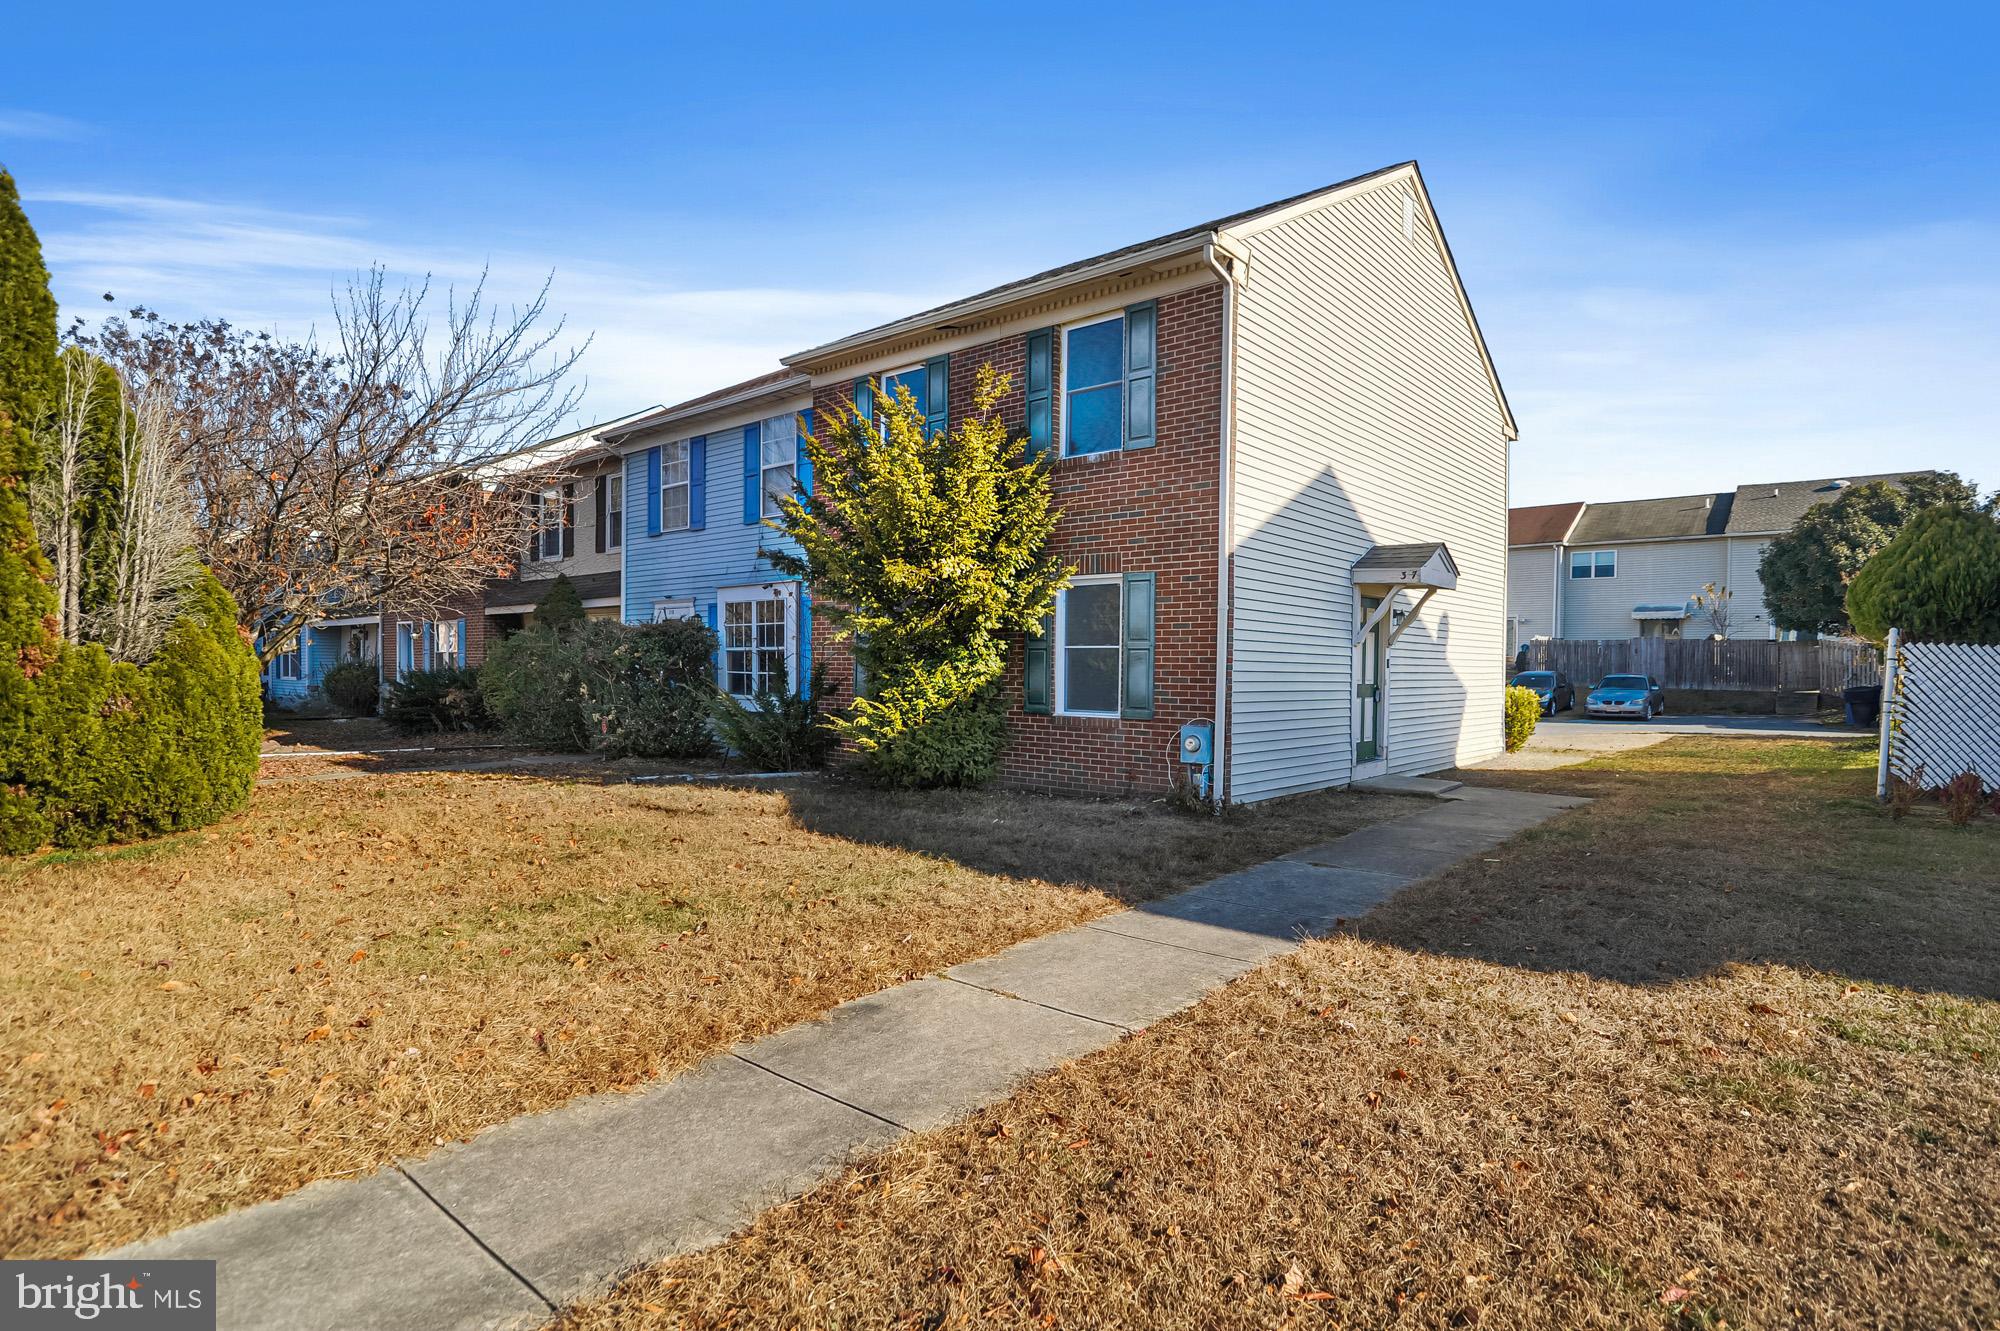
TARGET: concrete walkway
(535,1214)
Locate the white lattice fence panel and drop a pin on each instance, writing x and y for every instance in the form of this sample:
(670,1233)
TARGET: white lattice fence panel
(1945,716)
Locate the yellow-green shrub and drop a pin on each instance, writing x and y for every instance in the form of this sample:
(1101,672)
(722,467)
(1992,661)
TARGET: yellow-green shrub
(1524,710)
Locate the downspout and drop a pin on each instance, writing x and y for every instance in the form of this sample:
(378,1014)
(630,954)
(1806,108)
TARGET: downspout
(1225,527)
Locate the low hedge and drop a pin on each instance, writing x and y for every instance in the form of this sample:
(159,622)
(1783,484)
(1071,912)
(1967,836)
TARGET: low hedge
(110,751)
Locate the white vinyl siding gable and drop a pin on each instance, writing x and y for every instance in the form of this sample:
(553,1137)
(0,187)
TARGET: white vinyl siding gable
(1649,573)
(1531,589)
(1364,416)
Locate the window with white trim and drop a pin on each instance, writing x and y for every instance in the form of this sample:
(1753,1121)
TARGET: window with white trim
(777,466)
(1093,386)
(290,663)
(916,378)
(666,611)
(676,485)
(448,644)
(1593,563)
(613,516)
(552,522)
(1088,665)
(757,645)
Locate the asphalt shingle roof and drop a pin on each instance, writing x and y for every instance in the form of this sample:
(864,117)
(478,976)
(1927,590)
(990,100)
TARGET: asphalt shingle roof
(1540,524)
(1776,506)
(1653,519)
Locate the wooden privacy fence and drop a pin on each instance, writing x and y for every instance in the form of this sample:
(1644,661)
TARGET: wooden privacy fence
(1942,713)
(1701,663)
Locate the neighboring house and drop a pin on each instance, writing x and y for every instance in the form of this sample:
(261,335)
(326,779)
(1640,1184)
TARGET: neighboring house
(703,475)
(290,677)
(1631,568)
(1281,456)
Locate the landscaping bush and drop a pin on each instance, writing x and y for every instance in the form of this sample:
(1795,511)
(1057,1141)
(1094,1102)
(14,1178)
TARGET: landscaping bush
(1962,797)
(648,690)
(115,751)
(436,701)
(959,746)
(533,686)
(1524,712)
(353,685)
(560,607)
(1938,581)
(778,732)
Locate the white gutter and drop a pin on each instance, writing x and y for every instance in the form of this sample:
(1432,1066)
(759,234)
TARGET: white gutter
(1225,529)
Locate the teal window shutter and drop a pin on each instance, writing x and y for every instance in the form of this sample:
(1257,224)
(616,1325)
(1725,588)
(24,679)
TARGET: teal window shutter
(1041,391)
(753,471)
(462,645)
(714,657)
(653,491)
(698,482)
(802,467)
(1141,328)
(1137,703)
(864,399)
(937,395)
(1036,676)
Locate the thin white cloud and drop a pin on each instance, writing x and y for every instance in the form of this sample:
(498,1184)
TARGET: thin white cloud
(651,341)
(16,124)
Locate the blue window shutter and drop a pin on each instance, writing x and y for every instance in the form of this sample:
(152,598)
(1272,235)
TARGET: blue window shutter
(1141,324)
(1035,675)
(463,646)
(805,641)
(753,453)
(653,491)
(1041,391)
(802,466)
(1136,701)
(714,657)
(698,482)
(864,399)
(937,395)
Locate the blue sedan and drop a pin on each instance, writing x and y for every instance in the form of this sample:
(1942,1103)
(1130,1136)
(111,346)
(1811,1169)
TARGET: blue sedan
(1627,695)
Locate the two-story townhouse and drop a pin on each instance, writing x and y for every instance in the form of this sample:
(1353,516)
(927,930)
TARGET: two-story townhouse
(572,487)
(1632,568)
(704,475)
(1281,458)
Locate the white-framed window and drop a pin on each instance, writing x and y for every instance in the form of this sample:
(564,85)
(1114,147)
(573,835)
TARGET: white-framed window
(1593,563)
(666,611)
(613,516)
(1093,386)
(916,378)
(449,643)
(676,485)
(290,663)
(1088,664)
(759,650)
(356,647)
(551,525)
(779,445)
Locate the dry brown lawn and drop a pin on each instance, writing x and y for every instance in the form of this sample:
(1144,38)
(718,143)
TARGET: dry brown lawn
(357,970)
(1719,1050)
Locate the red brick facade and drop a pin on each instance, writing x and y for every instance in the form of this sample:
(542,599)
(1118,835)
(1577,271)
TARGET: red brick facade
(478,631)
(1147,510)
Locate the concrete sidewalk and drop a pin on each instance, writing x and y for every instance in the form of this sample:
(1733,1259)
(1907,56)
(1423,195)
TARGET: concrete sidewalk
(506,1229)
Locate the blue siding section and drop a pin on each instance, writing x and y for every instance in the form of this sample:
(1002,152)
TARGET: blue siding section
(694,564)
(322,649)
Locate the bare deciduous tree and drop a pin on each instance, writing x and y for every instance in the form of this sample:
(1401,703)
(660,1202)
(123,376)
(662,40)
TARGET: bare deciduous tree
(331,480)
(151,535)
(58,494)
(1714,599)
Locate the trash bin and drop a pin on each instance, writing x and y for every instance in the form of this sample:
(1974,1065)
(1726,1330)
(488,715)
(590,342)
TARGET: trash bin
(1864,703)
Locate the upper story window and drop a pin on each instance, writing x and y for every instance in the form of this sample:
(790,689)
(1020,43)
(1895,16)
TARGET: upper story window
(916,378)
(676,486)
(779,445)
(1093,398)
(550,523)
(613,516)
(1593,563)
(1087,647)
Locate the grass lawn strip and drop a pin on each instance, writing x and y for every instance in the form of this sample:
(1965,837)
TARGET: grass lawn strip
(357,971)
(1545,1088)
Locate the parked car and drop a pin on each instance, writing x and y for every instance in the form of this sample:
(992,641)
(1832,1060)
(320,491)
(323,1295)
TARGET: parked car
(1551,686)
(1627,695)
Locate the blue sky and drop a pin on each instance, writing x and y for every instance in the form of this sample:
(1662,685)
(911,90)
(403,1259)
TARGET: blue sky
(1709,245)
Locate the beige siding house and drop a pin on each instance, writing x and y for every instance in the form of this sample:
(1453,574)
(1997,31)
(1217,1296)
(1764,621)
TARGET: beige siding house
(1633,568)
(1366,415)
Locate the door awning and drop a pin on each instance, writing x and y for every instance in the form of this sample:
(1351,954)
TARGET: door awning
(1427,566)
(1659,611)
